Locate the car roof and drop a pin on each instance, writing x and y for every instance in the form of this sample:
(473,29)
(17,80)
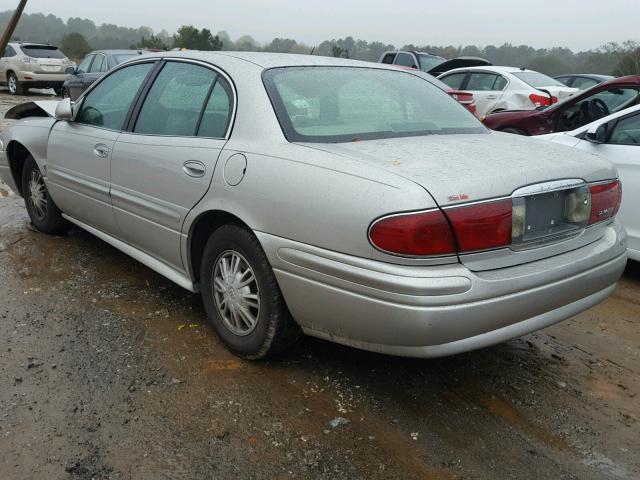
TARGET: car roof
(119,52)
(268,60)
(31,44)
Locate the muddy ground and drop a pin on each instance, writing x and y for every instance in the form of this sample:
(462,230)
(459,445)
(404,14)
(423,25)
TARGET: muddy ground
(108,371)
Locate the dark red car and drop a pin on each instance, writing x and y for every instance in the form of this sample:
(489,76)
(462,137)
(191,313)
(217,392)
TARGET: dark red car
(570,113)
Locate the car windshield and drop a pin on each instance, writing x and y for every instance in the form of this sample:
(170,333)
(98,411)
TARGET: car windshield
(344,104)
(428,62)
(42,51)
(123,57)
(537,80)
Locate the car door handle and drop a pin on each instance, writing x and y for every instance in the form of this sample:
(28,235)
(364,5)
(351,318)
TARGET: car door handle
(492,97)
(194,168)
(101,150)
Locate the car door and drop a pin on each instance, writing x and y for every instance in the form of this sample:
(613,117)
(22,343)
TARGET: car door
(79,151)
(482,85)
(163,165)
(8,53)
(623,149)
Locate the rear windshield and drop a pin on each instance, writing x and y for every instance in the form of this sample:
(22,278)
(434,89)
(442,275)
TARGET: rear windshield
(42,51)
(345,104)
(123,57)
(537,80)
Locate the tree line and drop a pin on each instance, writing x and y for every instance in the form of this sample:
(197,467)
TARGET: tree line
(78,36)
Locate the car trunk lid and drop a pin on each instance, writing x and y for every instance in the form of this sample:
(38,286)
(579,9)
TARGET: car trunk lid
(462,169)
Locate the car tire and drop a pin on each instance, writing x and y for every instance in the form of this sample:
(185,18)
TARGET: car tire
(44,213)
(242,297)
(14,85)
(515,131)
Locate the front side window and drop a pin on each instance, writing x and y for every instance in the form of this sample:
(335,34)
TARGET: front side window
(406,60)
(85,64)
(175,101)
(344,104)
(626,131)
(388,58)
(454,80)
(97,65)
(107,105)
(481,82)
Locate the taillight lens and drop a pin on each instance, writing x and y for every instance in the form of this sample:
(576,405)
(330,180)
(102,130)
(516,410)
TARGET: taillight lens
(605,201)
(542,100)
(482,226)
(414,234)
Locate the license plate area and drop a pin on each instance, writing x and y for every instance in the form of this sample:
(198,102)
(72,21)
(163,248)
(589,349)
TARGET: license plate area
(549,216)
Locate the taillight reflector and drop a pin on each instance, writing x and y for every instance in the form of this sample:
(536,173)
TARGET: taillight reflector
(414,234)
(605,201)
(542,100)
(482,226)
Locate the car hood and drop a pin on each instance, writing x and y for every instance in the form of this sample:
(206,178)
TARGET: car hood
(40,108)
(463,168)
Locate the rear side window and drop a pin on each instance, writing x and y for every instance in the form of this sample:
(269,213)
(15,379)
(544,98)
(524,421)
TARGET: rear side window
(217,113)
(9,52)
(175,101)
(42,51)
(454,80)
(107,105)
(406,60)
(501,83)
(388,58)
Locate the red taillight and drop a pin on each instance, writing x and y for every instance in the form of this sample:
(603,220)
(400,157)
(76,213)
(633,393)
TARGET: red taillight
(542,100)
(482,226)
(605,201)
(415,234)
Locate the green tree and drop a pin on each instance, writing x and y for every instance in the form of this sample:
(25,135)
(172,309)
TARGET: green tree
(549,65)
(339,52)
(190,37)
(75,46)
(151,42)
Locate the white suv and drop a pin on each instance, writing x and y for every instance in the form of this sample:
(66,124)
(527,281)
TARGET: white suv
(32,65)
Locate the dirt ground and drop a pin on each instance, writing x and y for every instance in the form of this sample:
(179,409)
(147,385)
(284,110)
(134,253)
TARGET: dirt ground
(108,371)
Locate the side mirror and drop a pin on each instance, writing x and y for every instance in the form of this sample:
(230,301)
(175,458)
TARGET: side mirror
(70,70)
(64,110)
(597,134)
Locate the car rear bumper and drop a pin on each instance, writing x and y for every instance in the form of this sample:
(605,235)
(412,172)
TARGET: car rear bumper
(42,80)
(439,310)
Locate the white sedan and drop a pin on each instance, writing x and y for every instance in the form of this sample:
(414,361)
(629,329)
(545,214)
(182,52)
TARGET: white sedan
(497,89)
(616,137)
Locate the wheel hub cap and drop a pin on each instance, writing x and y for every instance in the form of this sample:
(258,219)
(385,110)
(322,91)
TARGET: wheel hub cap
(38,194)
(236,293)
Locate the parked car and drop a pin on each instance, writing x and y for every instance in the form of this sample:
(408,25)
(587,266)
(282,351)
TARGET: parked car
(617,138)
(32,65)
(497,89)
(355,202)
(583,81)
(463,98)
(92,67)
(429,63)
(583,108)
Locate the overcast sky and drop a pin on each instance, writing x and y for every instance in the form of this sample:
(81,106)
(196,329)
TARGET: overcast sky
(577,24)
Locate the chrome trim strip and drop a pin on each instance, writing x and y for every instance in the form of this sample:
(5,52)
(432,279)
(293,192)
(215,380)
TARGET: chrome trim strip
(547,187)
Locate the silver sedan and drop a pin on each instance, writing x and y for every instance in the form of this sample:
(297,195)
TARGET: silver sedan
(347,200)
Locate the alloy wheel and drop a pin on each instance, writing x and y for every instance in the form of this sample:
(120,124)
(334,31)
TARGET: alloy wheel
(38,194)
(236,293)
(12,84)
